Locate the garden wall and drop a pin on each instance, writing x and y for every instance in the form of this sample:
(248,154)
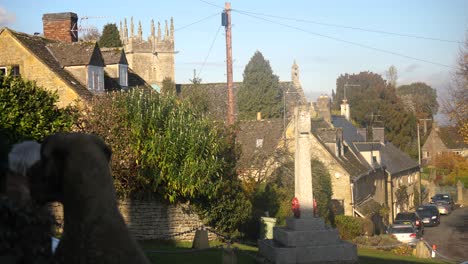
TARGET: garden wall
(153,220)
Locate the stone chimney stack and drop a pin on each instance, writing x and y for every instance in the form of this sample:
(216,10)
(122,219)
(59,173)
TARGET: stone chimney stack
(61,26)
(345,111)
(324,108)
(378,134)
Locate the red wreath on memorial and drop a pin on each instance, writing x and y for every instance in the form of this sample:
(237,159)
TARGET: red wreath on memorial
(296,208)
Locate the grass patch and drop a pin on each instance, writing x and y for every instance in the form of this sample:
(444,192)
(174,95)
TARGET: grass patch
(373,256)
(178,252)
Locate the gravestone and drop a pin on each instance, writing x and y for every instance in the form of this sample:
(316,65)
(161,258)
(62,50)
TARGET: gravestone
(305,239)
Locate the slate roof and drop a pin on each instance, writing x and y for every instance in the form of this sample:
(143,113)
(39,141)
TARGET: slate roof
(38,46)
(368,146)
(217,94)
(395,160)
(350,161)
(350,132)
(269,130)
(76,54)
(113,56)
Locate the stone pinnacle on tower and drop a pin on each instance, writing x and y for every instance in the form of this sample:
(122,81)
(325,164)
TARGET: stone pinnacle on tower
(159,31)
(125,33)
(172,28)
(120,30)
(166,31)
(152,28)
(131,27)
(140,31)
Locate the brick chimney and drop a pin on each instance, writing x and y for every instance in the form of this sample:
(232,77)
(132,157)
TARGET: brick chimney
(61,26)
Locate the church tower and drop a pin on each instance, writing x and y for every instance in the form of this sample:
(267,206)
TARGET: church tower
(295,74)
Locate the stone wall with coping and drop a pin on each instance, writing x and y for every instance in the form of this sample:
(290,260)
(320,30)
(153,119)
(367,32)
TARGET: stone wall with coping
(153,220)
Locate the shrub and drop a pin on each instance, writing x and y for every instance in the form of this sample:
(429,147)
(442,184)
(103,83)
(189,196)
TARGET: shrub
(403,250)
(385,242)
(28,111)
(349,227)
(163,150)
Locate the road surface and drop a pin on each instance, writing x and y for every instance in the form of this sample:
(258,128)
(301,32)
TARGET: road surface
(451,236)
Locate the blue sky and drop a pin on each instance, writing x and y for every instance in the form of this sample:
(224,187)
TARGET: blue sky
(320,57)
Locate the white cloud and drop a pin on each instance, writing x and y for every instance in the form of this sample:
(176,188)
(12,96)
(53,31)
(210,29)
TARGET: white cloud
(6,17)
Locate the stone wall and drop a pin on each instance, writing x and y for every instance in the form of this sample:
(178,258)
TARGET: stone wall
(153,220)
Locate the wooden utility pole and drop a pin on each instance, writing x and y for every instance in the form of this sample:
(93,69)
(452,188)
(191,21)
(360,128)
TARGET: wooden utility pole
(227,24)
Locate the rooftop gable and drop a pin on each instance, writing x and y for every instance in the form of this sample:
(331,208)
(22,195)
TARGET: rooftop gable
(76,54)
(114,56)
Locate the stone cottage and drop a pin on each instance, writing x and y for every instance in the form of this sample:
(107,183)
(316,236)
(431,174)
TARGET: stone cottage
(443,140)
(363,170)
(57,62)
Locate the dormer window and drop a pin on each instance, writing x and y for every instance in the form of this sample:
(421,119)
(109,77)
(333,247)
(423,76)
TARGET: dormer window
(123,75)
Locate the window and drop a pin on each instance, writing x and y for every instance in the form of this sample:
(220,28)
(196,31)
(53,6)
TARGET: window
(374,159)
(13,71)
(95,78)
(3,71)
(123,75)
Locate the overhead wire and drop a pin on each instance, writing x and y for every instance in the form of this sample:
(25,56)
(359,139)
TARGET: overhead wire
(350,27)
(198,21)
(211,4)
(209,52)
(342,40)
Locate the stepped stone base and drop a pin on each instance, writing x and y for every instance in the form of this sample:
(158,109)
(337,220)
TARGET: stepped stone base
(307,241)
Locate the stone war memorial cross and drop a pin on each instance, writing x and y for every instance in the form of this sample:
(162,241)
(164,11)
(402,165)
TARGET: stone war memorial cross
(306,239)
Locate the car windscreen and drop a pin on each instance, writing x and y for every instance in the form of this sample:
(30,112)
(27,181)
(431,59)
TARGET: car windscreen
(401,230)
(405,217)
(425,212)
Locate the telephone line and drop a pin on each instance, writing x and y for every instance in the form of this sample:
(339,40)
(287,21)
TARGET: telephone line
(198,21)
(343,40)
(350,27)
(209,51)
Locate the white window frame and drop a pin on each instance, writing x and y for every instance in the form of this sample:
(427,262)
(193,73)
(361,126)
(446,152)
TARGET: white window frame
(123,75)
(5,70)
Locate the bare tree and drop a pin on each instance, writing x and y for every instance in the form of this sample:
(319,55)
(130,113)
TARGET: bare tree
(456,105)
(392,75)
(91,34)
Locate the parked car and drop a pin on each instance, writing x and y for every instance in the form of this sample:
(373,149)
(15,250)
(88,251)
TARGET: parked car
(429,214)
(444,207)
(444,202)
(407,234)
(413,218)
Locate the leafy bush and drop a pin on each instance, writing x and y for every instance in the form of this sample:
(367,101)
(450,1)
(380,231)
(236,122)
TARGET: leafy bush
(162,149)
(349,227)
(403,250)
(28,111)
(385,242)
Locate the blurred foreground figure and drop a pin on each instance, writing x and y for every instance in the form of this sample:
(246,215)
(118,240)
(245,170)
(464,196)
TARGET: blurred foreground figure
(25,228)
(74,170)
